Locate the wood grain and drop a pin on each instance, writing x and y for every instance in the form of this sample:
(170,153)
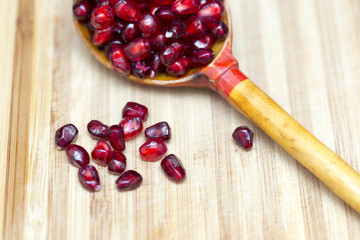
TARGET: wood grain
(304,54)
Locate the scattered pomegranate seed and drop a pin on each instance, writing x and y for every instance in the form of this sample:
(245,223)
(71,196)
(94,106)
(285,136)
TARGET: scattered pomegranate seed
(244,136)
(77,155)
(117,164)
(116,137)
(129,180)
(89,178)
(159,130)
(133,109)
(102,153)
(65,135)
(152,150)
(97,129)
(173,168)
(132,127)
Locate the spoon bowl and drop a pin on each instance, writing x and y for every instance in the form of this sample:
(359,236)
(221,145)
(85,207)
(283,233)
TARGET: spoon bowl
(223,76)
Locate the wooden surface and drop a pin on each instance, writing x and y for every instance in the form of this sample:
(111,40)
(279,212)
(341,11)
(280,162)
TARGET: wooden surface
(305,54)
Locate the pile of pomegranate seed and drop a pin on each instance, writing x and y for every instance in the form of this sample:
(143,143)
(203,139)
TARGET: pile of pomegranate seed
(111,143)
(144,37)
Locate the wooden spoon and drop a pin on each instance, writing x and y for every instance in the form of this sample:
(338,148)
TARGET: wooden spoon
(223,76)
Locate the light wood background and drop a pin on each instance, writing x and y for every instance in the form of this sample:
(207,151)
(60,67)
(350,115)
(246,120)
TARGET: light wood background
(305,54)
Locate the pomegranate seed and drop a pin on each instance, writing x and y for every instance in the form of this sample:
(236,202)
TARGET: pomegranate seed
(137,50)
(155,64)
(164,2)
(194,27)
(153,8)
(102,153)
(118,26)
(117,164)
(179,67)
(183,7)
(116,137)
(89,178)
(77,156)
(129,180)
(133,109)
(173,168)
(153,149)
(244,136)
(211,11)
(102,2)
(166,15)
(110,46)
(177,28)
(102,16)
(132,127)
(158,41)
(82,10)
(102,36)
(128,10)
(97,129)
(148,23)
(65,135)
(172,52)
(219,29)
(130,32)
(202,57)
(119,62)
(206,41)
(159,130)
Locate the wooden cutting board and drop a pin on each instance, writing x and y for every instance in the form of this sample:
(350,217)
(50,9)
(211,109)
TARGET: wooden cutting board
(305,54)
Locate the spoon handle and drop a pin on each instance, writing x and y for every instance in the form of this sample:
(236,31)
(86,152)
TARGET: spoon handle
(250,100)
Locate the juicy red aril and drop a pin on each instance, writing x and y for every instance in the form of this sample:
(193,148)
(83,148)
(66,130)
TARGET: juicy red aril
(110,46)
(102,36)
(129,32)
(102,16)
(116,137)
(184,7)
(179,67)
(128,10)
(97,129)
(194,27)
(164,2)
(129,180)
(82,10)
(102,153)
(158,41)
(119,62)
(173,168)
(202,57)
(133,109)
(117,164)
(132,127)
(148,23)
(219,29)
(118,26)
(159,130)
(155,65)
(205,41)
(65,135)
(172,52)
(137,50)
(177,27)
(211,11)
(89,178)
(166,14)
(102,2)
(77,155)
(244,136)
(152,150)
